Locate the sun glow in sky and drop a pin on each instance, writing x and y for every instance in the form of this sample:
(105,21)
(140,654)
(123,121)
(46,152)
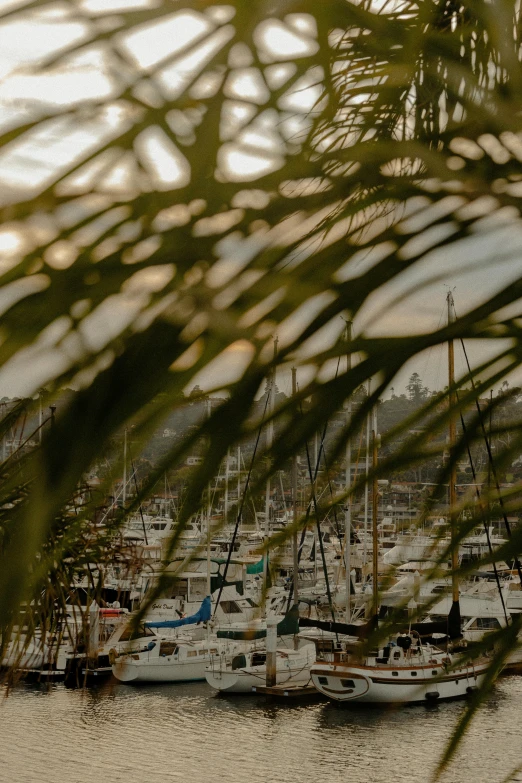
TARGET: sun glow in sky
(249,150)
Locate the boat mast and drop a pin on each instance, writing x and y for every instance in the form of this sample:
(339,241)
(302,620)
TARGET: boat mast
(375,503)
(451,447)
(295,545)
(209,512)
(239,479)
(124,491)
(227,475)
(269,439)
(40,418)
(348,483)
(367,469)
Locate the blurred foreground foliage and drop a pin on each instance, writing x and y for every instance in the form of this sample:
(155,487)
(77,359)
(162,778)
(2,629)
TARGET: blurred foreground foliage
(186,180)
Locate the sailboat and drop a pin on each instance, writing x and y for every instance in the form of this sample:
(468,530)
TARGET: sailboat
(406,670)
(240,673)
(182,657)
(243,672)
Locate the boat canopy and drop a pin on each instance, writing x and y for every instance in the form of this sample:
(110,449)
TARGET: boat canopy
(348,629)
(203,614)
(288,626)
(449,627)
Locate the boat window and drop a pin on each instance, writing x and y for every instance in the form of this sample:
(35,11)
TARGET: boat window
(396,655)
(434,672)
(322,680)
(179,588)
(203,652)
(258,659)
(324,645)
(486,623)
(192,653)
(129,633)
(213,651)
(413,674)
(230,607)
(238,662)
(348,683)
(395,674)
(168,648)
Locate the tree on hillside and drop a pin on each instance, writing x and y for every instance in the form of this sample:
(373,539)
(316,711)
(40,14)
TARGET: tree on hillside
(417,392)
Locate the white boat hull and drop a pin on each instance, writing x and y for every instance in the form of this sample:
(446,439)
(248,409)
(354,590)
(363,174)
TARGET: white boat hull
(289,671)
(244,682)
(159,671)
(371,685)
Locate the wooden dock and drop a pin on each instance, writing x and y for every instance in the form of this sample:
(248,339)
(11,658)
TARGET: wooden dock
(288,692)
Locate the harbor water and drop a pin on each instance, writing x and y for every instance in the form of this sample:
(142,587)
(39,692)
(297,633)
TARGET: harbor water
(184,732)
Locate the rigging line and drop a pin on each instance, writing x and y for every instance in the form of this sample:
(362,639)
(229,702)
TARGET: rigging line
(321,545)
(322,452)
(334,508)
(300,551)
(309,507)
(479,498)
(22,428)
(26,441)
(136,488)
(518,565)
(240,509)
(307,517)
(350,498)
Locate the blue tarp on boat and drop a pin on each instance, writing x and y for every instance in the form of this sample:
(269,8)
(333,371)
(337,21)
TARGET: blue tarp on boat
(203,614)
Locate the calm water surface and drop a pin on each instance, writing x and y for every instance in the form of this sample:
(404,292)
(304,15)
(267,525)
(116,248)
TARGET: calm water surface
(184,732)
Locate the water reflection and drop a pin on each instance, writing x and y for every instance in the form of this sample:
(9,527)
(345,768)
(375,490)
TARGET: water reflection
(119,733)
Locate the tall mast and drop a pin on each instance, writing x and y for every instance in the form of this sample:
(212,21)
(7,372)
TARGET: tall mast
(209,510)
(451,448)
(269,439)
(375,503)
(239,477)
(227,475)
(348,483)
(294,505)
(124,492)
(367,469)
(209,514)
(40,417)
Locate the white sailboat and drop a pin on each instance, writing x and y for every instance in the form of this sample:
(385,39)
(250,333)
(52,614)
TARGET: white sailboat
(405,670)
(178,659)
(243,672)
(414,672)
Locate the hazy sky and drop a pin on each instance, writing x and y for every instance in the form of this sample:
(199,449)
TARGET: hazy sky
(484,264)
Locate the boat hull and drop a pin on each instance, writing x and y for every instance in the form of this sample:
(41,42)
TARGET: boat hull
(292,668)
(365,684)
(152,671)
(227,681)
